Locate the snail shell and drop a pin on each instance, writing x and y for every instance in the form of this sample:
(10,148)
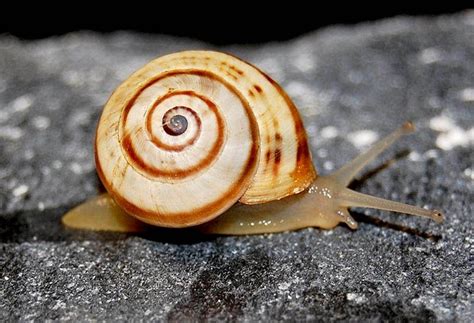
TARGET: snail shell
(191,133)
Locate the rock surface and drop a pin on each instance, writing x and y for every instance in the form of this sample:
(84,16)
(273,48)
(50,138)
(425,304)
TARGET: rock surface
(352,85)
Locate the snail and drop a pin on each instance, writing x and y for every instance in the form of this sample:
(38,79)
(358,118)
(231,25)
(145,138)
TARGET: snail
(205,139)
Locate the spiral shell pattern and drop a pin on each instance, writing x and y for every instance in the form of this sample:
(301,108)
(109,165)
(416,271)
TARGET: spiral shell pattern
(191,133)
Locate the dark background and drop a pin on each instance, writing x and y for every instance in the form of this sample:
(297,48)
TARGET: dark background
(223,23)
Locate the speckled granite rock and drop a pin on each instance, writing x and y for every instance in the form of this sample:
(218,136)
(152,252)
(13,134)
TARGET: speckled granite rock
(350,83)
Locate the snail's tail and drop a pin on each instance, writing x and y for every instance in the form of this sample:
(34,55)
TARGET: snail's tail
(101,213)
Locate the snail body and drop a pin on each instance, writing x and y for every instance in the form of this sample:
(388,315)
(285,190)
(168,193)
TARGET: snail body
(204,138)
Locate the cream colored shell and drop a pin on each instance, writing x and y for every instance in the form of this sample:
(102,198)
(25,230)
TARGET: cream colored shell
(245,140)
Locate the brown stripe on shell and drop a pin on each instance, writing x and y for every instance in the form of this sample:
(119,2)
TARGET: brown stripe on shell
(232,67)
(157,142)
(149,170)
(275,123)
(276,160)
(195,216)
(278,138)
(226,68)
(304,172)
(302,152)
(231,75)
(304,164)
(268,138)
(268,154)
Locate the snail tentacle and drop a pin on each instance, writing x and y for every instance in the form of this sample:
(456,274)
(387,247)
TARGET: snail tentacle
(352,198)
(346,217)
(346,173)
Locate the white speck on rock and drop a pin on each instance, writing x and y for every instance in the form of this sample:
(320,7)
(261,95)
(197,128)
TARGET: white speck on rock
(59,304)
(45,171)
(284,286)
(329,132)
(295,88)
(80,118)
(11,133)
(323,153)
(41,122)
(22,103)
(148,312)
(76,168)
(41,206)
(363,138)
(328,165)
(467,95)
(358,299)
(414,156)
(455,137)
(20,190)
(73,78)
(430,55)
(442,123)
(29,154)
(57,164)
(469,173)
(432,153)
(451,134)
(304,62)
